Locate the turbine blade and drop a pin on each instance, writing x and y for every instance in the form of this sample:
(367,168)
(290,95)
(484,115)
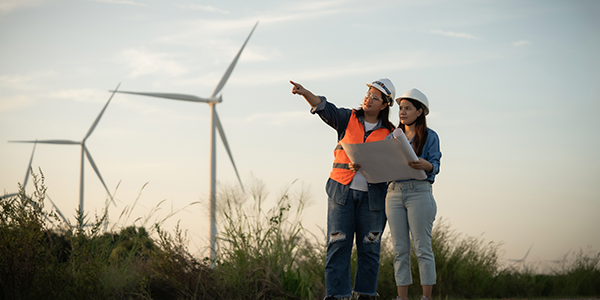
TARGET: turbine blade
(565,258)
(58,210)
(224,139)
(232,65)
(528,251)
(91,160)
(182,97)
(8,195)
(61,142)
(101,113)
(29,167)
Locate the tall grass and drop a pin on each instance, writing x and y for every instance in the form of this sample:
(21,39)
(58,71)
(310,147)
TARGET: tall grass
(264,253)
(267,254)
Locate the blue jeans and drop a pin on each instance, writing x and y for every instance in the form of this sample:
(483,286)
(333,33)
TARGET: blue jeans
(410,208)
(345,217)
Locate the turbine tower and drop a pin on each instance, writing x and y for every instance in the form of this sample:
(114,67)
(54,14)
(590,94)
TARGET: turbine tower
(84,153)
(214,123)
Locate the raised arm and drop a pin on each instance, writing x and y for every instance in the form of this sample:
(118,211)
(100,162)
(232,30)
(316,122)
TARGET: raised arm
(298,89)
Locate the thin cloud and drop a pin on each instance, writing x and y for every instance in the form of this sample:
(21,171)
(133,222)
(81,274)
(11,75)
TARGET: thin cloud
(317,6)
(7,6)
(207,30)
(521,43)
(279,118)
(8,103)
(142,62)
(405,61)
(27,81)
(12,87)
(309,10)
(454,34)
(125,2)
(82,95)
(206,8)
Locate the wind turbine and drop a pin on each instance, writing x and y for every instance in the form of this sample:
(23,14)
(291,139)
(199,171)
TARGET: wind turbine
(25,184)
(214,123)
(562,261)
(26,175)
(522,260)
(84,153)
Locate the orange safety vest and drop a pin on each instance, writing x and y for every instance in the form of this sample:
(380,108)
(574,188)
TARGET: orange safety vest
(354,134)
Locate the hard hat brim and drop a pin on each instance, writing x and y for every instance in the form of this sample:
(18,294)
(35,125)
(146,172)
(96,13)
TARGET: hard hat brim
(425,106)
(383,92)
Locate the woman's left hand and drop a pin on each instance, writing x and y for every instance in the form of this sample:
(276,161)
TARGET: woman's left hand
(421,164)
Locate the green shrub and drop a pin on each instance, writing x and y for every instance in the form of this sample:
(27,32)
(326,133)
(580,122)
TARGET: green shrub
(30,253)
(264,253)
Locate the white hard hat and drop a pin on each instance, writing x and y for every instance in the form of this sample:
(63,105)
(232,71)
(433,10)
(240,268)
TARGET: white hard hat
(386,87)
(416,95)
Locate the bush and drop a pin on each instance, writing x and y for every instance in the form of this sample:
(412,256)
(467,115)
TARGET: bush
(264,254)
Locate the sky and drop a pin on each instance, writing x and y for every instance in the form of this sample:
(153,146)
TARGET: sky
(512,86)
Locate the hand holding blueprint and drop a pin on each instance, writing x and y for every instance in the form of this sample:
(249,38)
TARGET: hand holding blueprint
(385,160)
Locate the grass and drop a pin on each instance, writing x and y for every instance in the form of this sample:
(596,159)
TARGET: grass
(264,253)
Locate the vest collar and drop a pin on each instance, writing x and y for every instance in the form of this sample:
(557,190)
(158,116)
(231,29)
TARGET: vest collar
(362,120)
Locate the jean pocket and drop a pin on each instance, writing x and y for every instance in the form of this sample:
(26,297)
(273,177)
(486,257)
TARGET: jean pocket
(422,186)
(338,200)
(337,192)
(390,187)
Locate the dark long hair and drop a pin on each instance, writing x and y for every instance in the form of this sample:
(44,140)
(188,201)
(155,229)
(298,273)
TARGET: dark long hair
(384,114)
(420,128)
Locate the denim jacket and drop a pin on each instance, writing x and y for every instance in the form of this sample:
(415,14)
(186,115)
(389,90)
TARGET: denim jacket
(431,153)
(338,119)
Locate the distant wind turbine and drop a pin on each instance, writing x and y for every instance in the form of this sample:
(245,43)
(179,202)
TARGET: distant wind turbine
(562,261)
(26,175)
(25,184)
(522,260)
(215,123)
(84,153)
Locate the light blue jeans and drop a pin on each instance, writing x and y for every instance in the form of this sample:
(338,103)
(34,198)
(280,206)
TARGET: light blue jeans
(411,210)
(345,217)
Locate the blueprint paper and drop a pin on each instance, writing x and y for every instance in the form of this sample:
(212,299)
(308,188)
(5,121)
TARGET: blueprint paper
(385,160)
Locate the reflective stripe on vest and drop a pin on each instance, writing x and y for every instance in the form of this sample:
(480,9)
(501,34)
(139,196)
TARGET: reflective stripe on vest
(355,133)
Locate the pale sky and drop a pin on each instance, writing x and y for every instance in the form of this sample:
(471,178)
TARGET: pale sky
(513,88)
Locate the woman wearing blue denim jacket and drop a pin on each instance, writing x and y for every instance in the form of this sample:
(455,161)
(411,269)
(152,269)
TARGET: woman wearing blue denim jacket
(354,205)
(410,206)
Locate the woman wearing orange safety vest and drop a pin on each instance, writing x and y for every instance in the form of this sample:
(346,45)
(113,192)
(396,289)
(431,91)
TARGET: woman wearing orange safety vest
(354,205)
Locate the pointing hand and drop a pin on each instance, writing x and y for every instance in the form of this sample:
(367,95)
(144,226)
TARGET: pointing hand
(298,89)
